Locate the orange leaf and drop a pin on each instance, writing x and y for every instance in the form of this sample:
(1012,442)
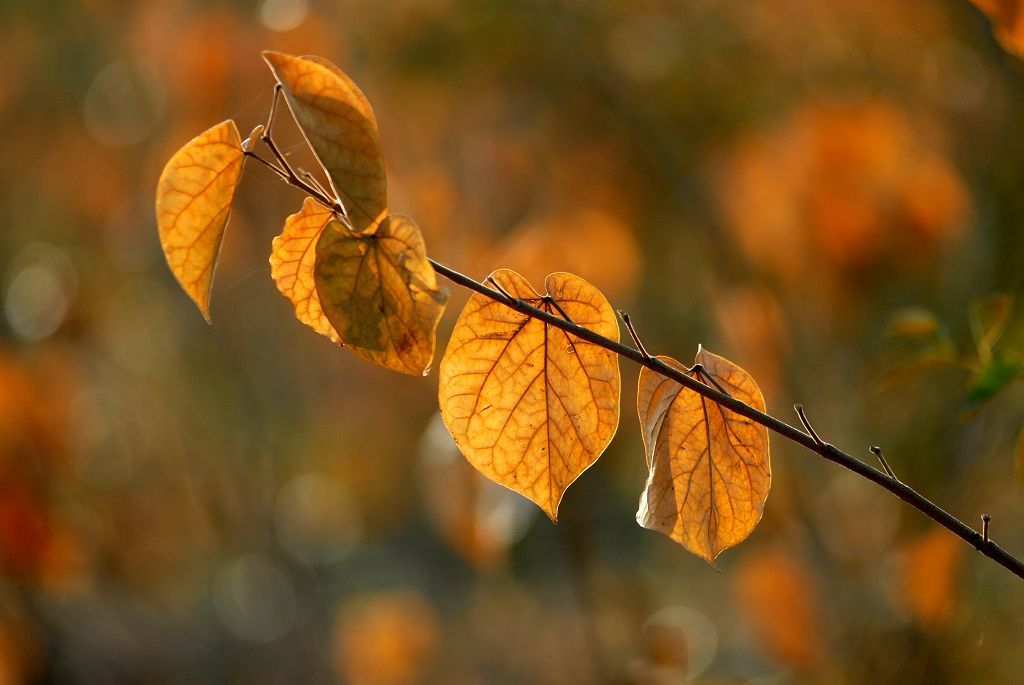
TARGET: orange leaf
(530,405)
(709,467)
(193,201)
(380,293)
(339,125)
(292,261)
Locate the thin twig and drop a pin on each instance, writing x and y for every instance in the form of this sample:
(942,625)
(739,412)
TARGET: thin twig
(825,450)
(809,440)
(632,333)
(807,425)
(877,451)
(708,378)
(554,303)
(985,520)
(497,286)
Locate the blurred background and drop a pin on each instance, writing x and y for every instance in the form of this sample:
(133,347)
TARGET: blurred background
(827,193)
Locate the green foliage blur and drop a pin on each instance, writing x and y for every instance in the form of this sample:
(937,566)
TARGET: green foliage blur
(828,193)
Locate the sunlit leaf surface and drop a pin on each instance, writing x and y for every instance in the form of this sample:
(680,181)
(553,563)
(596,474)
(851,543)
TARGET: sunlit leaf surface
(709,467)
(380,293)
(292,261)
(193,201)
(529,405)
(340,127)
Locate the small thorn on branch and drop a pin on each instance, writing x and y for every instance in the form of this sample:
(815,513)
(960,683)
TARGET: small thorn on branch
(877,451)
(497,286)
(985,520)
(554,303)
(706,378)
(632,333)
(807,425)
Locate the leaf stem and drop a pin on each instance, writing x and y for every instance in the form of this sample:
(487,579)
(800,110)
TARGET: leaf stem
(877,451)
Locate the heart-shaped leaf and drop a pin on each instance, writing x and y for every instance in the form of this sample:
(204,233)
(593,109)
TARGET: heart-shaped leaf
(709,467)
(530,405)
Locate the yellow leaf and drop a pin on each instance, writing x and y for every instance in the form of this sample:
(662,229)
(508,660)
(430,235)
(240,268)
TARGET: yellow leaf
(292,260)
(339,125)
(380,293)
(709,467)
(193,201)
(531,406)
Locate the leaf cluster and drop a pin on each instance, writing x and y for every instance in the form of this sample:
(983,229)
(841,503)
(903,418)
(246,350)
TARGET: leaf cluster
(531,406)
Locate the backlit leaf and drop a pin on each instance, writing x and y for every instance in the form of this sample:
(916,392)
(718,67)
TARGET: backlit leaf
(339,124)
(380,293)
(531,406)
(291,264)
(193,201)
(709,467)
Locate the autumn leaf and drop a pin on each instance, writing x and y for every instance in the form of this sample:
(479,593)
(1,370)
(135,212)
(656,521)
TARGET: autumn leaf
(291,264)
(193,201)
(531,406)
(379,292)
(709,467)
(339,125)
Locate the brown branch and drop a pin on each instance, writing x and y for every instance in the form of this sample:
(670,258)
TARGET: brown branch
(815,444)
(810,440)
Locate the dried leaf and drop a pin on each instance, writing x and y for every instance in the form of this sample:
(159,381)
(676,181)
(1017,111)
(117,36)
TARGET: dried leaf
(530,405)
(380,293)
(709,467)
(292,260)
(193,201)
(339,125)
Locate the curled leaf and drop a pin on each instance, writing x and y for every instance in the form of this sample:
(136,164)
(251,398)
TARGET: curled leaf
(193,202)
(339,125)
(531,406)
(709,467)
(292,261)
(379,292)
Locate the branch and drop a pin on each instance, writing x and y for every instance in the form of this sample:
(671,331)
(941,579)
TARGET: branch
(810,440)
(813,443)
